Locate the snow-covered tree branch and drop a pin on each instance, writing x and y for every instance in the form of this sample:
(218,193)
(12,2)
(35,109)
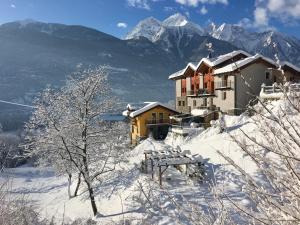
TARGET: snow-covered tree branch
(68,131)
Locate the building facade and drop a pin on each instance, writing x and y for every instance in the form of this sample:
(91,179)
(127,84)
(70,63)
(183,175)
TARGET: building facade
(228,82)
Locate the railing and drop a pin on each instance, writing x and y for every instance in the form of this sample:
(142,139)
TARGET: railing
(158,121)
(199,92)
(224,84)
(271,89)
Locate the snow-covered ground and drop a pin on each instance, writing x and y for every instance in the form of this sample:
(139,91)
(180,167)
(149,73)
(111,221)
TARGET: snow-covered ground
(117,195)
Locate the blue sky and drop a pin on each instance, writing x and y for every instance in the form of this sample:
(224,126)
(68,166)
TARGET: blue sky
(118,17)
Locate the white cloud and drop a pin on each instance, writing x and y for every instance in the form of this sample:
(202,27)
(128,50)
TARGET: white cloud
(203,10)
(261,17)
(283,10)
(195,3)
(122,25)
(13,6)
(143,4)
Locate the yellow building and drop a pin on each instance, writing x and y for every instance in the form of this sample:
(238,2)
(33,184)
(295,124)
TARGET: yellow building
(153,118)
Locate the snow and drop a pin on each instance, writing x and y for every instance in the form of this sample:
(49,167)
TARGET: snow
(211,62)
(147,107)
(48,192)
(233,66)
(153,29)
(199,112)
(176,20)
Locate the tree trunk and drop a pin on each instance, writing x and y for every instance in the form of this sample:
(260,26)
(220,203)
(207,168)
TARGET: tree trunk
(69,185)
(92,197)
(78,185)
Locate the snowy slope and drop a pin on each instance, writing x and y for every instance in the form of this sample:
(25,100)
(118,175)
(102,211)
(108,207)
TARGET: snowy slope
(117,196)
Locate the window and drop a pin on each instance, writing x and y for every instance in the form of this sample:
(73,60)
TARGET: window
(224,95)
(183,103)
(194,103)
(161,117)
(205,101)
(179,103)
(153,117)
(205,85)
(267,75)
(192,87)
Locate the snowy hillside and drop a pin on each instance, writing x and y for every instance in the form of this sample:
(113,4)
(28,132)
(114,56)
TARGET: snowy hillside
(119,194)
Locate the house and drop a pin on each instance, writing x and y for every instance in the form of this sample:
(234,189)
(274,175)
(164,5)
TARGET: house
(228,82)
(152,118)
(195,85)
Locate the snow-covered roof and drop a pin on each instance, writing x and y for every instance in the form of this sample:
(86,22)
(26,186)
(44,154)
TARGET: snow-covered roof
(148,106)
(210,62)
(285,63)
(233,66)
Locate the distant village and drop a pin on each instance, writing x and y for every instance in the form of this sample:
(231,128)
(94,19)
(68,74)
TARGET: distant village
(225,84)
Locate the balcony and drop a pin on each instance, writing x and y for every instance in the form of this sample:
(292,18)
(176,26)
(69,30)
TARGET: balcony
(200,93)
(164,121)
(224,84)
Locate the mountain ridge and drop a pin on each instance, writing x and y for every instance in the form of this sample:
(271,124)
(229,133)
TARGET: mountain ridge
(268,43)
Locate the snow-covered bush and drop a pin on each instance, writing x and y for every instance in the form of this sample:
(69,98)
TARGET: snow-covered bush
(17,210)
(275,149)
(9,150)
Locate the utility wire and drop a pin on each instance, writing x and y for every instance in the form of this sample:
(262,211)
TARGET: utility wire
(17,104)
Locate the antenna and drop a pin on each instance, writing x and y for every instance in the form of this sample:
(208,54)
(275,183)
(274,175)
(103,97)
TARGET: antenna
(209,49)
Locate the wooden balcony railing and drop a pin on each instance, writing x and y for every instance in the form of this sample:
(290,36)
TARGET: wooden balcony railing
(158,121)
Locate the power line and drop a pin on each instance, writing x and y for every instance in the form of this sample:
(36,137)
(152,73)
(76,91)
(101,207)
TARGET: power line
(17,104)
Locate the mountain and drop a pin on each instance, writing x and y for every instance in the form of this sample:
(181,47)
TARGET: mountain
(183,40)
(34,55)
(178,35)
(267,43)
(153,29)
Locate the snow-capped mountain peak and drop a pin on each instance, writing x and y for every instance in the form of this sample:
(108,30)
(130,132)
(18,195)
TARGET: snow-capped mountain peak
(153,29)
(147,28)
(176,20)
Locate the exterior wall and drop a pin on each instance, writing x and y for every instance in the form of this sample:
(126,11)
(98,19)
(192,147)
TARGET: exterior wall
(255,76)
(183,107)
(178,88)
(139,127)
(290,76)
(201,81)
(225,105)
(188,84)
(199,102)
(209,82)
(195,82)
(183,87)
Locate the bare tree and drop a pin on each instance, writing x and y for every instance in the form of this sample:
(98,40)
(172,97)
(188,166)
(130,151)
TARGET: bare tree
(9,150)
(68,129)
(275,149)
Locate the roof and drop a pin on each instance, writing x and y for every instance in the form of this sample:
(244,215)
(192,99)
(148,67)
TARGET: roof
(236,65)
(210,62)
(288,64)
(147,107)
